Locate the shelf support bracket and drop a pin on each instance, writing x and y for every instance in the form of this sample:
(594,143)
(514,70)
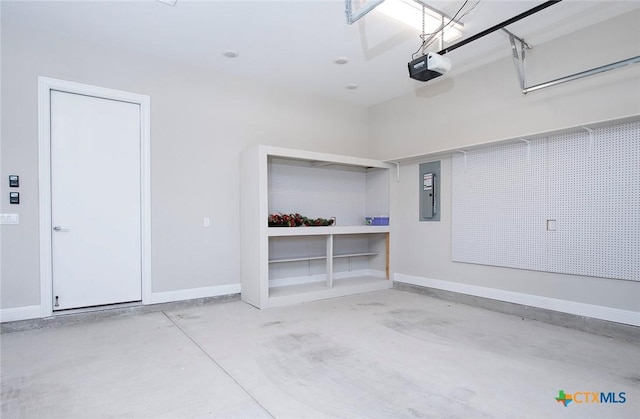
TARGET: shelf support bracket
(528,149)
(464,153)
(590,131)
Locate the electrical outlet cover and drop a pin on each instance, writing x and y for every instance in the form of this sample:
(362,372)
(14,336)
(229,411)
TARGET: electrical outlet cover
(9,219)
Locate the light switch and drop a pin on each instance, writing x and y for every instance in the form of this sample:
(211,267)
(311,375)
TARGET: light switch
(14,197)
(551,225)
(9,219)
(207,222)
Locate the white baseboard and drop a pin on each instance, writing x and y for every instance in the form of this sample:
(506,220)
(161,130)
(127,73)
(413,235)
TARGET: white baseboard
(189,294)
(581,309)
(20,313)
(35,312)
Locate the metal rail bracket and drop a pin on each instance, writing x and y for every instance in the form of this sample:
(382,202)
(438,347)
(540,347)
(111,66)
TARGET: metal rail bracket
(519,58)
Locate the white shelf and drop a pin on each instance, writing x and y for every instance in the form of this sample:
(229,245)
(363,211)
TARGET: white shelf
(325,231)
(353,255)
(322,159)
(298,259)
(335,256)
(530,136)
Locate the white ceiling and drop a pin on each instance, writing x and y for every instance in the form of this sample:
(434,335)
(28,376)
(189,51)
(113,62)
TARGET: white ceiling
(294,43)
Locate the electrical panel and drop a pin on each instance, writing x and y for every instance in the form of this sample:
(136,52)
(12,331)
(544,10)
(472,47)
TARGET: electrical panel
(429,191)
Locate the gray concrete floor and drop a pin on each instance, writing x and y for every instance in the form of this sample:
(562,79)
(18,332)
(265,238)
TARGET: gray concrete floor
(387,354)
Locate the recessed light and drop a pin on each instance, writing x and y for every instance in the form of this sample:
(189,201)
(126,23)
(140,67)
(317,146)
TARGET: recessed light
(351,86)
(230,53)
(341,60)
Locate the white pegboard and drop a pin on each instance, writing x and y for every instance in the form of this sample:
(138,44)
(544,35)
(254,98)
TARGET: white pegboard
(588,183)
(594,193)
(498,203)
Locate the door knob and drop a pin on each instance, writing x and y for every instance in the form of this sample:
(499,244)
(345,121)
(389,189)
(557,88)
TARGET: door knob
(59,228)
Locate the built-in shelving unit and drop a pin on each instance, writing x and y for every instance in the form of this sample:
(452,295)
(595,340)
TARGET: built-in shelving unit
(287,265)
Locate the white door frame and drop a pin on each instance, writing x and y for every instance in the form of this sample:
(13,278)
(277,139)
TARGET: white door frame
(45,86)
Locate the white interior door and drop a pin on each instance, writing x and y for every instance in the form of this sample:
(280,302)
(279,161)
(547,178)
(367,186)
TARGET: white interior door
(95,201)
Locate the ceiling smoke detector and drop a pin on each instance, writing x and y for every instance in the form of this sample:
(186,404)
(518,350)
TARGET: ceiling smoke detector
(230,53)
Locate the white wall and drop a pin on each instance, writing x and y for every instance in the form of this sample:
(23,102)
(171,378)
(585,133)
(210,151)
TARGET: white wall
(484,105)
(200,121)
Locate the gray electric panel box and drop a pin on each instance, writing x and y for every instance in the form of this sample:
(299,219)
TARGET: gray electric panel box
(429,191)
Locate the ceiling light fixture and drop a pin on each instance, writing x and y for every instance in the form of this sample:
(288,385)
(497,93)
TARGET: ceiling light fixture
(341,60)
(351,86)
(409,12)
